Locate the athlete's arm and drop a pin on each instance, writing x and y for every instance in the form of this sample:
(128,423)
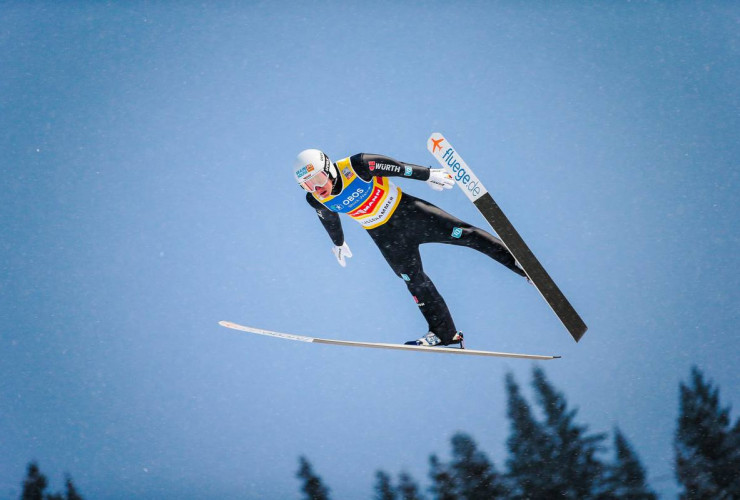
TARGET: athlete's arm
(329,219)
(371,165)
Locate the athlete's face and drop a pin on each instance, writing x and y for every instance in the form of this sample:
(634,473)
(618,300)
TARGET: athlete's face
(325,190)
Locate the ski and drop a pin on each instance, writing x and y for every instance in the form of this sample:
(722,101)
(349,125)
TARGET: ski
(377,345)
(466,180)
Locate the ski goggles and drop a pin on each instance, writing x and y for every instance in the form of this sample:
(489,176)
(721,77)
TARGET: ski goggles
(317,181)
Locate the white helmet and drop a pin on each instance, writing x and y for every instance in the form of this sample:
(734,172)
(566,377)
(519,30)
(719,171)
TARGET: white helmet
(309,164)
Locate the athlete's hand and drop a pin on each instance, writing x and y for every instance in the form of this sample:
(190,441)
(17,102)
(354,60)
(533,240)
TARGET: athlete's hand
(439,179)
(342,253)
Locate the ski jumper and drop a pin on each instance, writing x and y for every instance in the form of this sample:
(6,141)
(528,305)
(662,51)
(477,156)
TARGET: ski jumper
(398,223)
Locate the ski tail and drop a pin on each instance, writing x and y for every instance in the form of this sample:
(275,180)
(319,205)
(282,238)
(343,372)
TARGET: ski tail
(473,188)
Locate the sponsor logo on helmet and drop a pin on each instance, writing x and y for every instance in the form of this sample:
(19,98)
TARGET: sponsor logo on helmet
(303,172)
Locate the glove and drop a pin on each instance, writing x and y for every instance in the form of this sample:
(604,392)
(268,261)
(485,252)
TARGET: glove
(341,253)
(439,179)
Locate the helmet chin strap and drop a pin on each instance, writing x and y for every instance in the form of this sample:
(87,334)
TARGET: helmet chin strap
(333,171)
(337,184)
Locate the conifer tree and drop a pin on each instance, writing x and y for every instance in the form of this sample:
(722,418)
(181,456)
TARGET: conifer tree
(34,484)
(443,485)
(312,487)
(530,462)
(575,469)
(475,476)
(72,493)
(383,487)
(626,478)
(707,448)
(407,488)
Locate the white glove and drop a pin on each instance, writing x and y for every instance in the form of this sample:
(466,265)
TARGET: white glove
(439,179)
(341,253)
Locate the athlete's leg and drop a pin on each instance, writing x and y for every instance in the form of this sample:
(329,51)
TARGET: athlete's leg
(406,263)
(478,239)
(437,226)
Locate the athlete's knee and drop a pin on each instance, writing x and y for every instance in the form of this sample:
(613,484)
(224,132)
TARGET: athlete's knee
(406,277)
(420,286)
(411,279)
(466,232)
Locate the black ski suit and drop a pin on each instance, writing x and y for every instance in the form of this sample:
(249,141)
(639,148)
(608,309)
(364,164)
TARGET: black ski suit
(413,222)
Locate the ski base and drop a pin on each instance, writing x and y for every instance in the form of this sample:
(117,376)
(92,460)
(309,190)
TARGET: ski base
(378,345)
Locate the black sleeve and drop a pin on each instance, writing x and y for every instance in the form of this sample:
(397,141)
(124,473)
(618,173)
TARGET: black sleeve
(371,165)
(329,219)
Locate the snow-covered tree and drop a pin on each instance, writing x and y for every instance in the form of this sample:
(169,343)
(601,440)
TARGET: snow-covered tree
(707,447)
(383,487)
(312,486)
(530,456)
(34,484)
(576,469)
(626,477)
(475,476)
(407,488)
(443,483)
(72,493)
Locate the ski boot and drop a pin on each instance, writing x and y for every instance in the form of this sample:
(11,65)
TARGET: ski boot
(431,340)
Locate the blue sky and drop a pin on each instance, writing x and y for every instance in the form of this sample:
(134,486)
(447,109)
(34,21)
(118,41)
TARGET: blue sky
(147,194)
